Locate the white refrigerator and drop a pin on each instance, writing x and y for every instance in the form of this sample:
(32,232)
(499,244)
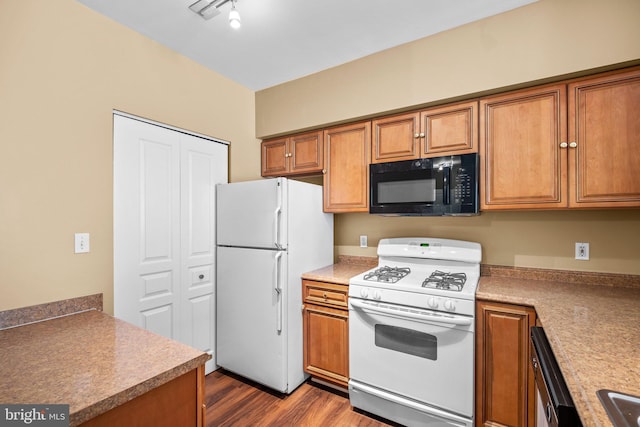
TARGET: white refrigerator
(269,232)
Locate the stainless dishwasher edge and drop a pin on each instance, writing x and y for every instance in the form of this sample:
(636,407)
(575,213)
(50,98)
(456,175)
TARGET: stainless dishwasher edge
(554,406)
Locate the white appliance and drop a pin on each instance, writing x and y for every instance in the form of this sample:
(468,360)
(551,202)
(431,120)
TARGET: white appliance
(411,332)
(269,232)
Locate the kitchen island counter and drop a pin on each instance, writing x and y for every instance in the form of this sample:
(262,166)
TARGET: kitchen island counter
(91,361)
(593,329)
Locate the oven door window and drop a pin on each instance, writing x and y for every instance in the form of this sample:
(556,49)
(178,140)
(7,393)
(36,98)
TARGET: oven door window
(407,341)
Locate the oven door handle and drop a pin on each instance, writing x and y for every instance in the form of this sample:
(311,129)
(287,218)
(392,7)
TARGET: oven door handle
(410,313)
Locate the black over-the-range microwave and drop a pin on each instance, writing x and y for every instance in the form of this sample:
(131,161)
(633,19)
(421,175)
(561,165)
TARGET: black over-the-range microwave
(435,186)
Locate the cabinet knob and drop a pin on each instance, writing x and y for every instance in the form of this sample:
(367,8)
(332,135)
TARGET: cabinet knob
(324,295)
(421,134)
(417,135)
(573,144)
(563,145)
(324,171)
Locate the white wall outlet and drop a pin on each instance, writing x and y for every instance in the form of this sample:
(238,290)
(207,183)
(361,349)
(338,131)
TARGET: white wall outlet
(82,243)
(582,251)
(363,241)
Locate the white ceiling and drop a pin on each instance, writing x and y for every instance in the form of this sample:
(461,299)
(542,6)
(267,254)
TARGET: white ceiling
(281,40)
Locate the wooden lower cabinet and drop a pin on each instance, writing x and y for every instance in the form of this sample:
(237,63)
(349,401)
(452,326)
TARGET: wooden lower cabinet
(326,331)
(180,402)
(505,394)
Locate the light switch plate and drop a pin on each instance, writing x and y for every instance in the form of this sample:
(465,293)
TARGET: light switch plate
(363,241)
(82,243)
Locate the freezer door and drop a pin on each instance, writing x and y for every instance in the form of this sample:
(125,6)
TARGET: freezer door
(252,213)
(251,322)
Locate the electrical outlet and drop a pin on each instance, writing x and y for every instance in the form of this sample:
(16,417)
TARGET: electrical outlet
(81,243)
(582,251)
(363,241)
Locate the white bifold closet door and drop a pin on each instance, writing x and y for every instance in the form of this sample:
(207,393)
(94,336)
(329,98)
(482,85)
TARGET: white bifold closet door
(164,230)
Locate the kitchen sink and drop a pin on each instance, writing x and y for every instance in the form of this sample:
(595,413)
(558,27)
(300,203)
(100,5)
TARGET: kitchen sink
(623,409)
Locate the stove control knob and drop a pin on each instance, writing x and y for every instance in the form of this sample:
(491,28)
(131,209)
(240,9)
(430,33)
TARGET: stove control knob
(364,293)
(449,305)
(377,295)
(433,303)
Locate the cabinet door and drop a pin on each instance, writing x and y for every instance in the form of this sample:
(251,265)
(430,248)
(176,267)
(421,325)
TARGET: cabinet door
(326,331)
(452,129)
(522,164)
(275,157)
(505,394)
(305,153)
(326,343)
(395,138)
(346,179)
(604,124)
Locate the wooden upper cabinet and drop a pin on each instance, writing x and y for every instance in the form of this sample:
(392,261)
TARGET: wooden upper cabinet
(275,158)
(300,154)
(604,124)
(395,138)
(346,177)
(522,163)
(451,129)
(574,145)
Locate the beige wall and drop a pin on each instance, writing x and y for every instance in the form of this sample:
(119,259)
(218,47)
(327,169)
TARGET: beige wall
(526,239)
(63,69)
(540,41)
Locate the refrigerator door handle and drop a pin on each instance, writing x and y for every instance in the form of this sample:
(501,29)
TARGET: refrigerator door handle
(278,290)
(277,213)
(277,273)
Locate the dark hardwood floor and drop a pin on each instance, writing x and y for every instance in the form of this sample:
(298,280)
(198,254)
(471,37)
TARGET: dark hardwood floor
(234,401)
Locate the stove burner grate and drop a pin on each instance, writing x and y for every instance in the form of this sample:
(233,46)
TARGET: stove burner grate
(387,274)
(448,281)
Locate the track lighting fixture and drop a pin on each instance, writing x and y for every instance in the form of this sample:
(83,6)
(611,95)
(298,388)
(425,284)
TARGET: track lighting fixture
(234,16)
(207,9)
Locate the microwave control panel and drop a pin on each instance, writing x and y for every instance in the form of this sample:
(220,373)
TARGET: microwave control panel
(463,187)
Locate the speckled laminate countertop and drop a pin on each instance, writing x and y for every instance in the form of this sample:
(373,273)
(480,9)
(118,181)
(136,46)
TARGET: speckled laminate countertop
(594,332)
(343,270)
(89,360)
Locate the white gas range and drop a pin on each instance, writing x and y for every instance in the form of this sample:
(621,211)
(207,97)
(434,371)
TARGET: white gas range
(411,332)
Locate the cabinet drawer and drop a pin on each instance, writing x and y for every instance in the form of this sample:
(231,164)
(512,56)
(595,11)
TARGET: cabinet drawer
(325,293)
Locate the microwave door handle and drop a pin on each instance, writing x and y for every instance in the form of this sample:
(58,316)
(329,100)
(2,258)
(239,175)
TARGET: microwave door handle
(446,192)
